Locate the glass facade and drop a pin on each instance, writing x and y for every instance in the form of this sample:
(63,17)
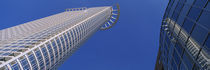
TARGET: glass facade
(45,43)
(184,36)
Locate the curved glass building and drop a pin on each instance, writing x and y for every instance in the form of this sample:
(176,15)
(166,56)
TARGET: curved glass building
(185,36)
(45,43)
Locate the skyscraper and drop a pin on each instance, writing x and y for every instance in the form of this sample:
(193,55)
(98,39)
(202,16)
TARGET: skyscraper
(45,43)
(185,36)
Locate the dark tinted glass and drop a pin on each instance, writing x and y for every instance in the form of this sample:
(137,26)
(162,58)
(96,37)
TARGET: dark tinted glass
(166,13)
(174,66)
(189,2)
(170,8)
(182,66)
(180,5)
(199,34)
(188,25)
(188,61)
(183,14)
(179,48)
(208,6)
(175,16)
(200,3)
(205,19)
(194,13)
(166,47)
(176,57)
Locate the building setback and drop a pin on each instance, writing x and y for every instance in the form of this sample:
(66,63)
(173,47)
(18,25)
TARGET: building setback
(185,36)
(47,42)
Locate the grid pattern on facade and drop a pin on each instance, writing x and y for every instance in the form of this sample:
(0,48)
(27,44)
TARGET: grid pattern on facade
(185,35)
(48,47)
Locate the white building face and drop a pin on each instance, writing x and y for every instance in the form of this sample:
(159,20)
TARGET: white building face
(45,43)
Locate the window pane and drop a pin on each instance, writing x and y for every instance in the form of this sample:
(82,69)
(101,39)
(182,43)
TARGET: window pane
(200,3)
(33,61)
(175,16)
(25,64)
(182,66)
(15,66)
(176,57)
(51,52)
(188,25)
(45,56)
(174,66)
(183,13)
(179,48)
(208,6)
(180,5)
(204,19)
(194,13)
(189,2)
(40,60)
(199,34)
(188,61)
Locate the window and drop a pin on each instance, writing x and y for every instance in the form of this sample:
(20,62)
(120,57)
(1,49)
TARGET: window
(40,59)
(187,60)
(204,19)
(176,57)
(55,48)
(200,3)
(51,52)
(25,64)
(171,3)
(172,8)
(33,62)
(72,38)
(74,33)
(166,47)
(180,5)
(44,51)
(179,48)
(59,45)
(69,36)
(175,16)
(66,40)
(182,15)
(208,6)
(189,2)
(199,34)
(194,13)
(167,40)
(170,52)
(63,44)
(182,66)
(174,66)
(15,66)
(82,28)
(188,24)
(77,34)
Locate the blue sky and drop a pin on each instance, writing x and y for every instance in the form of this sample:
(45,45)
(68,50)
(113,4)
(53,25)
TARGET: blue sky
(132,44)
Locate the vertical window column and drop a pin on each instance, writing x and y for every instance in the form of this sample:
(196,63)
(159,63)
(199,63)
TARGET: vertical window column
(37,61)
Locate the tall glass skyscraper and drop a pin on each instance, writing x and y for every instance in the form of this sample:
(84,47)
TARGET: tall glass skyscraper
(45,43)
(185,36)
